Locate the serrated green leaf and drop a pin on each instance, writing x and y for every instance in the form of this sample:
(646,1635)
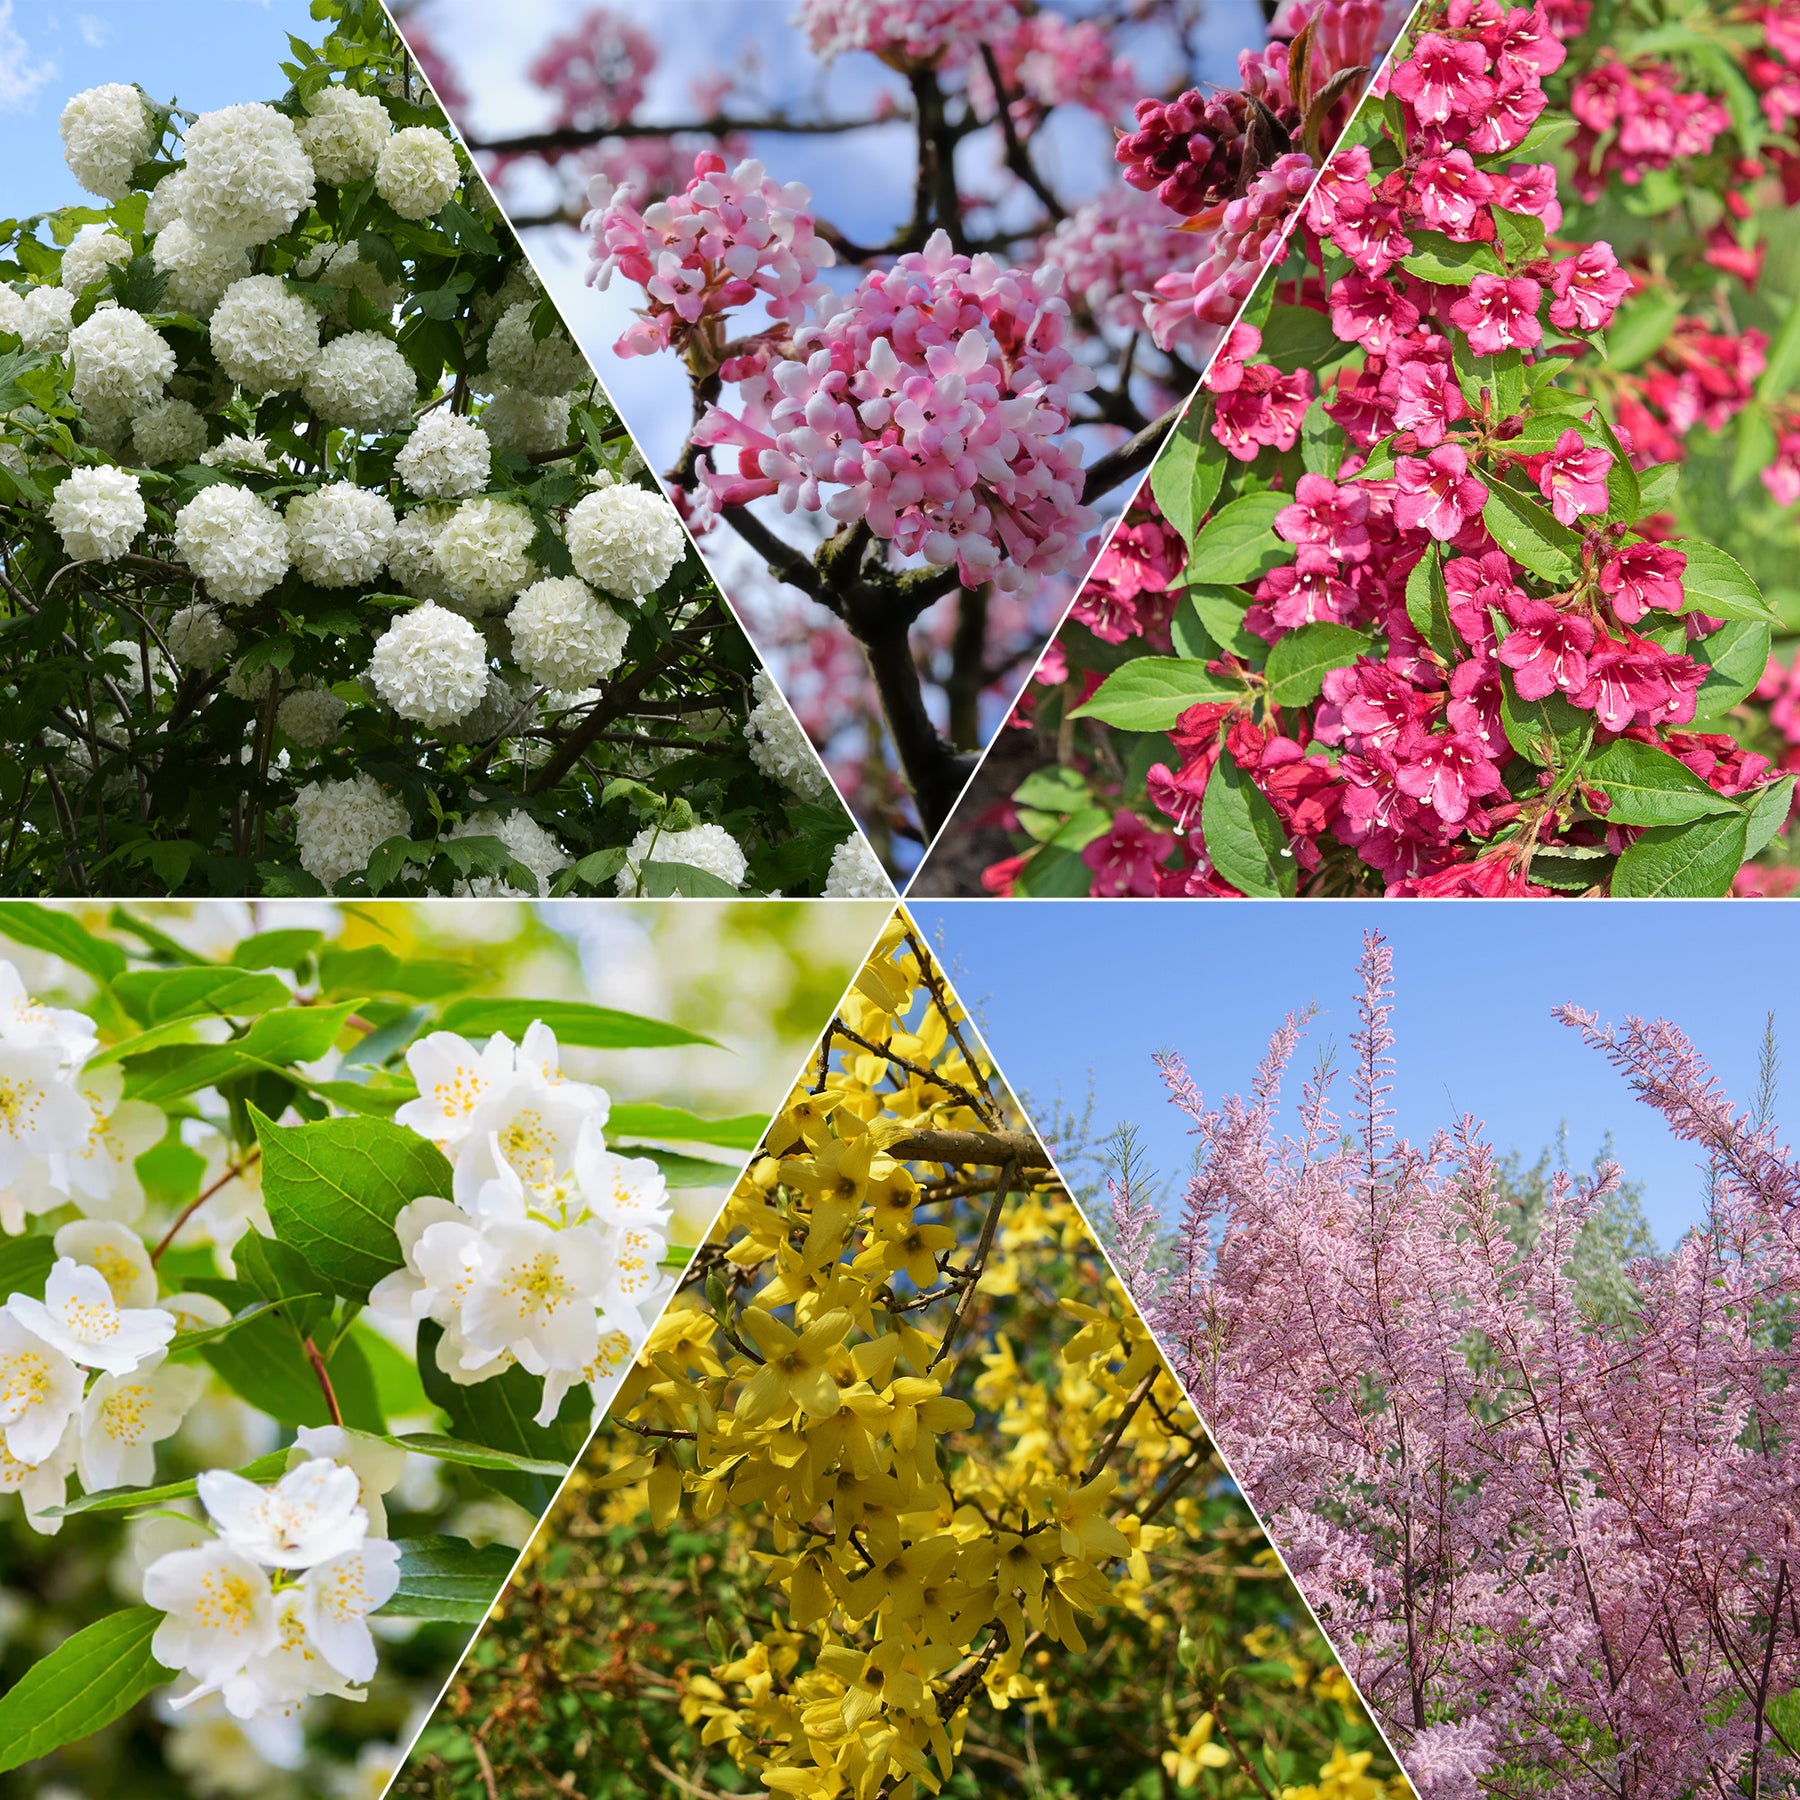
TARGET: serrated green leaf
(1768,811)
(1243,836)
(1529,534)
(1736,656)
(1718,585)
(448,1578)
(1238,543)
(153,996)
(1693,861)
(1301,659)
(1648,786)
(1185,477)
(1151,692)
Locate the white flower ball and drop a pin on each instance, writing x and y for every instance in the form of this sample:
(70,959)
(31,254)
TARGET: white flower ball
(171,431)
(500,707)
(93,251)
(106,132)
(44,318)
(199,271)
(779,746)
(163,207)
(625,539)
(199,638)
(708,847)
(446,458)
(119,360)
(312,717)
(564,636)
(551,365)
(253,685)
(484,552)
(362,381)
(412,554)
(856,873)
(417,172)
(339,824)
(247,178)
(97,512)
(339,535)
(528,423)
(529,842)
(264,337)
(343,133)
(344,269)
(431,665)
(240,453)
(236,543)
(519,283)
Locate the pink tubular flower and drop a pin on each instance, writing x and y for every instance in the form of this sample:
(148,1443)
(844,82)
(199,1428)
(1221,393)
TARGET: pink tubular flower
(1588,289)
(1573,478)
(597,70)
(1437,493)
(1499,313)
(1371,312)
(1445,772)
(1546,650)
(1443,76)
(1124,860)
(906,34)
(1639,577)
(1325,514)
(1449,191)
(1264,408)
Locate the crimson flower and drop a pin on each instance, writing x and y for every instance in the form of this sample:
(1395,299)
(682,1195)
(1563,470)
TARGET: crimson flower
(1437,493)
(1573,478)
(1546,650)
(1499,313)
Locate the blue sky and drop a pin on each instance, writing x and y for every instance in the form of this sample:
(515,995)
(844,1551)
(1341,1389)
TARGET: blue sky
(1063,990)
(204,53)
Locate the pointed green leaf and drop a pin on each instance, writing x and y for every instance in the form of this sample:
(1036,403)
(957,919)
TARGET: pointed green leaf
(1688,862)
(449,1578)
(573,1021)
(1239,543)
(1301,659)
(1243,836)
(86,1682)
(1648,786)
(1151,692)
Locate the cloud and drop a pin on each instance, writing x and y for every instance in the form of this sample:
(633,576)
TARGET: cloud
(94,32)
(20,77)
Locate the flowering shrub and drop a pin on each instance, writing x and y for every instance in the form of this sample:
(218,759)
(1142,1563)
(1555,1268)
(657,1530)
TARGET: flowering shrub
(320,1258)
(320,542)
(899,1493)
(1552,1538)
(914,440)
(1405,592)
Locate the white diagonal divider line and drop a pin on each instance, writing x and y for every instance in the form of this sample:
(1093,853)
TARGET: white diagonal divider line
(1111,530)
(888,909)
(1124,1287)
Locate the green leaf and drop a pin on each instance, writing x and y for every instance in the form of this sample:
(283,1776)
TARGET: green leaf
(1657,487)
(473,1456)
(1549,731)
(1520,236)
(1439,259)
(277,950)
(1692,861)
(298,1034)
(1322,442)
(744,1132)
(1782,369)
(1300,337)
(264,1363)
(1640,328)
(1647,786)
(138,284)
(269,1467)
(1239,543)
(187,1343)
(335,1188)
(448,1578)
(25,1263)
(1220,613)
(1185,477)
(1243,836)
(1300,660)
(1428,603)
(662,880)
(1768,811)
(1736,656)
(573,1021)
(153,996)
(1718,584)
(1529,535)
(681,1171)
(86,1682)
(1625,498)
(1055,873)
(375,969)
(1151,692)
(26,922)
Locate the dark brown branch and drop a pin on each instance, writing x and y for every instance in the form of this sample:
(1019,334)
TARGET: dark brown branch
(958,1148)
(1130,458)
(563,138)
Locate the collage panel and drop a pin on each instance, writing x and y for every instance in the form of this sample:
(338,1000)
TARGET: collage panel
(1493,1326)
(900,300)
(1469,571)
(900,1498)
(329,567)
(329,1231)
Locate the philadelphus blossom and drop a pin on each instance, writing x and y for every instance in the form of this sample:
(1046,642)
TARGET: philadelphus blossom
(547,1252)
(361,380)
(708,847)
(87,259)
(97,512)
(118,359)
(417,171)
(547,365)
(564,636)
(430,665)
(343,133)
(246,179)
(484,552)
(339,535)
(779,747)
(106,132)
(264,337)
(338,825)
(235,542)
(171,431)
(199,638)
(199,271)
(625,539)
(445,458)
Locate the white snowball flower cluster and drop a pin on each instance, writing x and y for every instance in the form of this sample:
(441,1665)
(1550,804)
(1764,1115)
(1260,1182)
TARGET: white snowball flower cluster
(778,745)
(40,317)
(106,132)
(237,452)
(548,365)
(446,458)
(430,665)
(97,512)
(91,252)
(856,872)
(564,636)
(530,844)
(236,543)
(345,270)
(412,557)
(199,638)
(312,717)
(417,171)
(199,271)
(339,535)
(171,431)
(361,380)
(503,704)
(339,824)
(625,539)
(484,552)
(264,337)
(270,1605)
(547,1252)
(247,178)
(162,206)
(527,423)
(118,360)
(343,133)
(708,847)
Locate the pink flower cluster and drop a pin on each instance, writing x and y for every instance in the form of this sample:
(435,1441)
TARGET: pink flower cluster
(730,237)
(934,398)
(1130,590)
(906,34)
(1698,377)
(1047,61)
(1112,250)
(596,70)
(1635,118)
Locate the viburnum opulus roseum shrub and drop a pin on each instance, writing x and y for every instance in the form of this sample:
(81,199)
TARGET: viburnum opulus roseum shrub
(326,561)
(1403,609)
(915,438)
(1553,1540)
(951,1510)
(320,1256)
